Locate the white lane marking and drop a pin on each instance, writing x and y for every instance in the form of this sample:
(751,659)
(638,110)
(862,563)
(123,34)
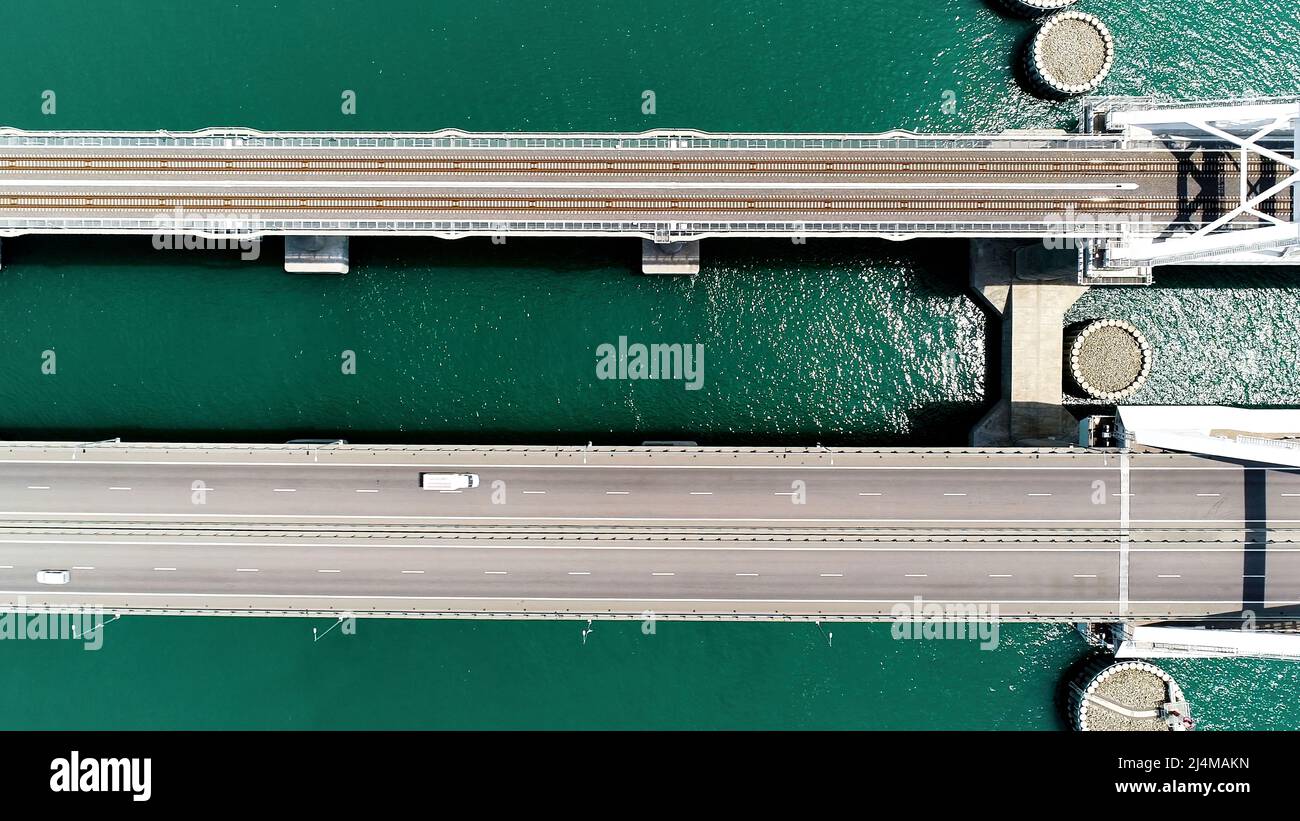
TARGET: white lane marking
(351,596)
(412,571)
(119,488)
(1125,496)
(1168,575)
(920,547)
(38,487)
(1038,494)
(11,567)
(1085,575)
(999,575)
(831,575)
(78,567)
(367,490)
(413,517)
(164,568)
(786,493)
(329,571)
(701,493)
(871,494)
(746,574)
(1291,494)
(534,493)
(663,574)
(579,572)
(494,572)
(617,492)
(954,494)
(1209,494)
(246,570)
(285,489)
(577,466)
(916,575)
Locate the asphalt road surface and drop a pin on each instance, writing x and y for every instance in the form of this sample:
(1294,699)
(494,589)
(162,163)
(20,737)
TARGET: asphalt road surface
(598,532)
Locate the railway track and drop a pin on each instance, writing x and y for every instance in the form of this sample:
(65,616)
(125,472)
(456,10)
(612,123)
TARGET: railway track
(909,166)
(631,204)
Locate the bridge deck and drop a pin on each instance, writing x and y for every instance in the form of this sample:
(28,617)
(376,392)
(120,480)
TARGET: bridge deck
(649,192)
(718,533)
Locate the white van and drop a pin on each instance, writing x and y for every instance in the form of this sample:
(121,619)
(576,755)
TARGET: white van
(448,481)
(53,576)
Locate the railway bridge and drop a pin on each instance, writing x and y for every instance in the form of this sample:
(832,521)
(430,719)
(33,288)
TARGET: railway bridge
(1142,183)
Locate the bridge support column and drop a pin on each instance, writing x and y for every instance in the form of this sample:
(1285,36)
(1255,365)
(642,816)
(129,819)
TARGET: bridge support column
(670,258)
(316,254)
(1030,289)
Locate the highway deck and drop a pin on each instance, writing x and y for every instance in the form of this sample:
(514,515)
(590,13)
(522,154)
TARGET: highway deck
(711,533)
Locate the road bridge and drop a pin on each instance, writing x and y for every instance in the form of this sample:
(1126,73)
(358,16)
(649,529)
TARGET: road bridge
(679,532)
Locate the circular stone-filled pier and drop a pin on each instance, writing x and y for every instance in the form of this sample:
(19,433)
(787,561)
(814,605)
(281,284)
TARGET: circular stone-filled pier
(1071,53)
(1034,8)
(1108,359)
(1128,696)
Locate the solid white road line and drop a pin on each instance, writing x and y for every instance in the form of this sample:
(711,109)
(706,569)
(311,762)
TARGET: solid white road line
(892,546)
(445,517)
(412,571)
(1217,603)
(246,570)
(285,489)
(1124,524)
(1035,465)
(119,488)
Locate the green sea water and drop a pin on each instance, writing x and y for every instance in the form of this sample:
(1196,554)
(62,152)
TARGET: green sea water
(832,342)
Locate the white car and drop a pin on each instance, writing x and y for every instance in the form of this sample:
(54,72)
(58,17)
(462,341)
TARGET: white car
(448,481)
(53,576)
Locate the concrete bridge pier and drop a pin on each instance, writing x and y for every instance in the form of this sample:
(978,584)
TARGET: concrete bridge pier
(1030,288)
(315,254)
(670,257)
